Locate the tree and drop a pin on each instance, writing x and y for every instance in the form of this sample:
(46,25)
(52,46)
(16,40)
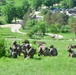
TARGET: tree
(62,18)
(72,23)
(9,12)
(68,3)
(36,4)
(48,3)
(21,10)
(34,27)
(30,27)
(26,18)
(47,17)
(54,28)
(41,27)
(25,6)
(57,17)
(64,4)
(3,2)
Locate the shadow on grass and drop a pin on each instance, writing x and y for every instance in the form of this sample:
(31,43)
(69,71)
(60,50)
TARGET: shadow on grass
(38,58)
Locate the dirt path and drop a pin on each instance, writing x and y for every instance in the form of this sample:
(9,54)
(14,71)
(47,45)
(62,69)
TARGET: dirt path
(13,27)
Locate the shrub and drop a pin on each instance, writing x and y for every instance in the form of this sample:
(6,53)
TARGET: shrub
(2,47)
(1,22)
(44,11)
(65,29)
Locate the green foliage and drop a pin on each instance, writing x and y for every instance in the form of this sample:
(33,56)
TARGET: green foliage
(48,3)
(1,22)
(62,18)
(2,2)
(52,19)
(26,17)
(30,24)
(47,17)
(25,6)
(55,28)
(68,3)
(2,47)
(34,27)
(9,11)
(44,12)
(65,29)
(36,4)
(30,34)
(41,27)
(72,23)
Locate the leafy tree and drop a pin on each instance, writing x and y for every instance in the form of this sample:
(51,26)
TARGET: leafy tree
(57,17)
(30,24)
(21,10)
(68,3)
(34,27)
(26,18)
(47,17)
(2,2)
(64,4)
(72,23)
(30,27)
(62,18)
(25,6)
(41,27)
(36,4)
(48,3)
(54,28)
(9,12)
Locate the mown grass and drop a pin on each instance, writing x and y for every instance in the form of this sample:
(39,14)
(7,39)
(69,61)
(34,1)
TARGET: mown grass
(6,33)
(59,65)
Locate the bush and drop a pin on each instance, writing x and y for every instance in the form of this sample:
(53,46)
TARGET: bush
(65,29)
(1,22)
(2,47)
(44,11)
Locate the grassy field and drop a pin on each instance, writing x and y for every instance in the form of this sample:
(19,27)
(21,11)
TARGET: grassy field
(6,33)
(59,65)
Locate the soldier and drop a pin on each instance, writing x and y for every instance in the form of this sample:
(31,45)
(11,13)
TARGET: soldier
(53,51)
(41,49)
(13,52)
(24,49)
(46,51)
(72,53)
(31,52)
(18,47)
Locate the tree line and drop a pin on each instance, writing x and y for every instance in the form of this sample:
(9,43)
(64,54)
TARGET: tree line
(57,22)
(11,11)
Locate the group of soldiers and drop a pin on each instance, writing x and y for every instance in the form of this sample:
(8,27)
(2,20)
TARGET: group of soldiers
(51,51)
(25,49)
(28,51)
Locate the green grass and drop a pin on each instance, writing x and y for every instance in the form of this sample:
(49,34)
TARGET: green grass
(6,33)
(59,65)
